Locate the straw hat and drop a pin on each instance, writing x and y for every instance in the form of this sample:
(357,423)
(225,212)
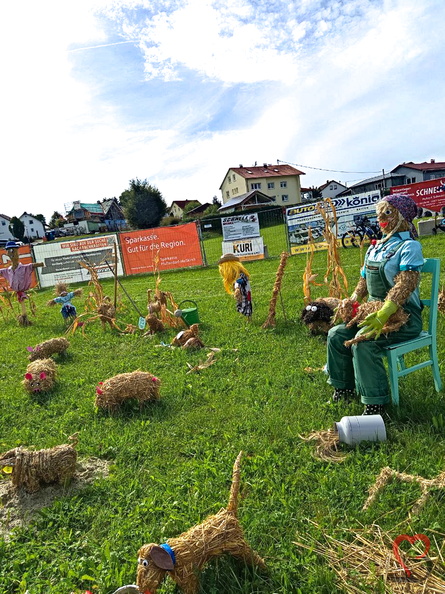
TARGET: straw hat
(228,258)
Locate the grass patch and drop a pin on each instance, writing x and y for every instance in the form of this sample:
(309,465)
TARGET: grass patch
(170,464)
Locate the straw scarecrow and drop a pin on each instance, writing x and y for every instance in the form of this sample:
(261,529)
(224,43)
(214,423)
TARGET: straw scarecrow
(46,349)
(64,297)
(40,376)
(390,274)
(31,470)
(184,557)
(19,277)
(236,282)
(137,385)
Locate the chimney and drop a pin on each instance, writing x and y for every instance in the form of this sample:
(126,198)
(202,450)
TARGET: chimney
(240,164)
(433,160)
(265,165)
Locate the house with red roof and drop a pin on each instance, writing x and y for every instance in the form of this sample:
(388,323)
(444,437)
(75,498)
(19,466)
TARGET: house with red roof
(176,209)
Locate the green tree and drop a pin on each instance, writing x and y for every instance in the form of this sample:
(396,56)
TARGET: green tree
(57,220)
(41,218)
(211,210)
(190,206)
(143,204)
(17,228)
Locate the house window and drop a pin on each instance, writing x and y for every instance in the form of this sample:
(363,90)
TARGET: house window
(283,184)
(3,223)
(31,222)
(270,185)
(230,180)
(285,197)
(227,194)
(335,187)
(233,177)
(255,186)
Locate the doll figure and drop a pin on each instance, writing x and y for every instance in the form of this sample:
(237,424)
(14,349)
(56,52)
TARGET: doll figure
(19,277)
(236,282)
(64,297)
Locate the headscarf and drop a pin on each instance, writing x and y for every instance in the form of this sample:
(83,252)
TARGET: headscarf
(407,208)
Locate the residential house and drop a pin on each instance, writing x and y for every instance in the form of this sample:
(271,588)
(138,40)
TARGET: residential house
(114,217)
(88,217)
(177,207)
(331,189)
(5,233)
(34,229)
(196,213)
(281,183)
(251,199)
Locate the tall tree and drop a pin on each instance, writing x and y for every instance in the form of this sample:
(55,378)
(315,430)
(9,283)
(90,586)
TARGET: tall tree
(41,218)
(143,204)
(57,220)
(17,228)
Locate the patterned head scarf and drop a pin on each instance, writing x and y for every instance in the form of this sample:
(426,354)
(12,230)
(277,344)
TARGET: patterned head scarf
(407,208)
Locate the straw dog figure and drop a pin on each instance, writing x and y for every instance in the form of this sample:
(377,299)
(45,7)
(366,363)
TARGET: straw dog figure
(40,376)
(182,558)
(137,385)
(318,315)
(48,348)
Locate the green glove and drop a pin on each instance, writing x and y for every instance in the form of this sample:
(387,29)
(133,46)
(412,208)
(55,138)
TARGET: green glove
(373,323)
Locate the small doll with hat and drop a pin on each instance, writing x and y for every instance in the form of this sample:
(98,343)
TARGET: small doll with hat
(64,297)
(19,277)
(390,276)
(236,282)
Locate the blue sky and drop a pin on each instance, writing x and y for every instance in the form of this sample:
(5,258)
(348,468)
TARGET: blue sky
(97,92)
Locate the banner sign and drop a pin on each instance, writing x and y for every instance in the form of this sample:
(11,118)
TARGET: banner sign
(247,249)
(429,195)
(240,226)
(300,219)
(62,259)
(25,257)
(173,247)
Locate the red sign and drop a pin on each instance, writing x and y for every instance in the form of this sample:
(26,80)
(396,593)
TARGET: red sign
(428,194)
(173,247)
(24,258)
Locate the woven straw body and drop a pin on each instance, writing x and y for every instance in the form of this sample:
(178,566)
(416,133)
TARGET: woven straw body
(43,376)
(48,348)
(137,385)
(217,535)
(395,321)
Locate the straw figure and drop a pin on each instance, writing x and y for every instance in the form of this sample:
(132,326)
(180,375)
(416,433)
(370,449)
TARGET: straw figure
(318,315)
(46,349)
(40,376)
(270,320)
(154,324)
(31,470)
(188,339)
(236,282)
(426,485)
(163,305)
(441,301)
(19,277)
(184,557)
(137,385)
(64,297)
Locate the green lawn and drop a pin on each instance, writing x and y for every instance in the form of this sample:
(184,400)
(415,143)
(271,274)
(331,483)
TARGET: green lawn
(171,463)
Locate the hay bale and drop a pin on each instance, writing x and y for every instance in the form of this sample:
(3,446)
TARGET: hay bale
(50,347)
(40,376)
(137,385)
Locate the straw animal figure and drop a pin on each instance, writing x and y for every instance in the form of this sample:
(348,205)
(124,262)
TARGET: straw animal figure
(426,485)
(137,385)
(318,315)
(163,304)
(184,557)
(46,349)
(270,320)
(359,313)
(40,376)
(154,325)
(33,469)
(188,339)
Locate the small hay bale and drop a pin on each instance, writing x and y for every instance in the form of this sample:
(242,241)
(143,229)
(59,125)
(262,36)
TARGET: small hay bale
(137,385)
(327,446)
(40,376)
(44,350)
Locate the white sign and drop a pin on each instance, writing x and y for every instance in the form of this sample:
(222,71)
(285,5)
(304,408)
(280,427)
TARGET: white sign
(62,259)
(246,249)
(240,226)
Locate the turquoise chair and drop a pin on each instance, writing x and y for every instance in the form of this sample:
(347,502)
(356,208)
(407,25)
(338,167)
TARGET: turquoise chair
(396,352)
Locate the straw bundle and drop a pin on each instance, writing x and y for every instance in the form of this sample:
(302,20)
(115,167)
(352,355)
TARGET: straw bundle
(40,376)
(137,385)
(217,535)
(327,445)
(50,347)
(270,320)
(369,562)
(33,469)
(188,339)
(6,306)
(200,366)
(426,485)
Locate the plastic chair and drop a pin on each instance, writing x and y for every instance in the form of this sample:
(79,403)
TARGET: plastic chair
(395,352)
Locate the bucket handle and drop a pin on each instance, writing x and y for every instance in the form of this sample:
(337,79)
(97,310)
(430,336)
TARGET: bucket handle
(188,301)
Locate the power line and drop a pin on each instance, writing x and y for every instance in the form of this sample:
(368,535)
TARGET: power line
(322,169)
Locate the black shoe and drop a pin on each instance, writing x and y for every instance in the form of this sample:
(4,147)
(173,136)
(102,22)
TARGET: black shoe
(373,409)
(343,395)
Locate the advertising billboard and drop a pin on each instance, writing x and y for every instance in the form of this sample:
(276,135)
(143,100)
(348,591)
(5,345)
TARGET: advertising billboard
(240,226)
(429,195)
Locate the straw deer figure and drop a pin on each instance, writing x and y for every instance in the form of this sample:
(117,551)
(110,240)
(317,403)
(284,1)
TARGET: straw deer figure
(46,349)
(40,376)
(182,558)
(31,470)
(137,385)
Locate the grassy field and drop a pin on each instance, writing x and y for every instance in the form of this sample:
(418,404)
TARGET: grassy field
(170,464)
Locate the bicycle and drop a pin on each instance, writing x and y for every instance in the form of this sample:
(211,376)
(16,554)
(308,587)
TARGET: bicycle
(440,226)
(364,229)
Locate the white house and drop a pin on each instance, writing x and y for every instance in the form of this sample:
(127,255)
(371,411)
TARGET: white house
(5,233)
(34,228)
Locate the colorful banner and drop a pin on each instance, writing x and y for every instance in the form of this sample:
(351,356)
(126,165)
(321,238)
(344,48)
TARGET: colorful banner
(429,195)
(247,249)
(240,226)
(25,257)
(173,247)
(62,259)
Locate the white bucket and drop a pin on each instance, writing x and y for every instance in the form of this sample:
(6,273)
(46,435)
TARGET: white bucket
(130,589)
(353,430)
